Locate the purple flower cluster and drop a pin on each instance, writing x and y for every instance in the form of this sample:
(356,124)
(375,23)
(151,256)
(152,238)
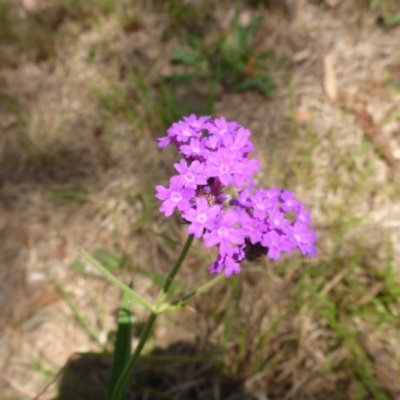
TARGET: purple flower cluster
(215,155)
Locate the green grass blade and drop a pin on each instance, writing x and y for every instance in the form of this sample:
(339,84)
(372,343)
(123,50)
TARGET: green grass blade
(122,349)
(126,289)
(80,318)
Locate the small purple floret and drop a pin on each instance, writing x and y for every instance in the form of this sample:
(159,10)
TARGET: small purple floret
(201,217)
(191,176)
(174,196)
(225,233)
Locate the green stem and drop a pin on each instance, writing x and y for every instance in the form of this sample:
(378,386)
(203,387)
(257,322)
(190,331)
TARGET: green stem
(122,348)
(204,288)
(180,302)
(123,379)
(126,289)
(168,282)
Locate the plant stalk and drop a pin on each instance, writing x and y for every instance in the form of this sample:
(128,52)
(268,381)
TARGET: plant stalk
(124,377)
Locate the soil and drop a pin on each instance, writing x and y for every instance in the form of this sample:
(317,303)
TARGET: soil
(335,67)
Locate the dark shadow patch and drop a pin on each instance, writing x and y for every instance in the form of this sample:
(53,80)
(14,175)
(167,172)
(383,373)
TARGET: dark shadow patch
(181,371)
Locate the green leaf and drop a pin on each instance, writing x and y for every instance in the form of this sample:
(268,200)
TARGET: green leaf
(122,349)
(184,57)
(260,82)
(392,20)
(107,274)
(109,259)
(247,33)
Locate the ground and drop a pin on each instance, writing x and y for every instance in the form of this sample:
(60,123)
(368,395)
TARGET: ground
(82,99)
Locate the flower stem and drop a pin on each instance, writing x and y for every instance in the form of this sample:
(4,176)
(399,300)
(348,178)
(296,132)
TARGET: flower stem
(157,309)
(123,378)
(180,302)
(168,282)
(204,288)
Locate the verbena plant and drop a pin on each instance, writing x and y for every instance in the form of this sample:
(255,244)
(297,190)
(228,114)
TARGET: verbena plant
(217,161)
(233,62)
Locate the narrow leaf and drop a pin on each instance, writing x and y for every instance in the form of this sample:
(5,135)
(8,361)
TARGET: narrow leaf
(122,349)
(107,274)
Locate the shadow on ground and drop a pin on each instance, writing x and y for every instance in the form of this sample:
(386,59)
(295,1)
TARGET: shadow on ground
(181,371)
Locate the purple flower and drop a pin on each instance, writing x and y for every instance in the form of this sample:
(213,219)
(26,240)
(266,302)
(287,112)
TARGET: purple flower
(224,165)
(191,176)
(221,126)
(225,232)
(305,238)
(252,228)
(271,193)
(217,266)
(303,215)
(261,205)
(182,131)
(215,155)
(289,203)
(243,200)
(175,196)
(250,167)
(197,124)
(239,141)
(212,142)
(195,148)
(231,264)
(200,217)
(277,242)
(163,141)
(221,198)
(276,220)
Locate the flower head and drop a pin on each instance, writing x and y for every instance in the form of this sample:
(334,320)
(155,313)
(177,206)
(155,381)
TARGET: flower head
(258,222)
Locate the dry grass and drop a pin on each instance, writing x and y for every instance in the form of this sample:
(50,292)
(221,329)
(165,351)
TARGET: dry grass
(80,104)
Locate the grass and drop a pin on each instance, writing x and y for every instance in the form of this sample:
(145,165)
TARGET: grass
(308,329)
(91,330)
(231,61)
